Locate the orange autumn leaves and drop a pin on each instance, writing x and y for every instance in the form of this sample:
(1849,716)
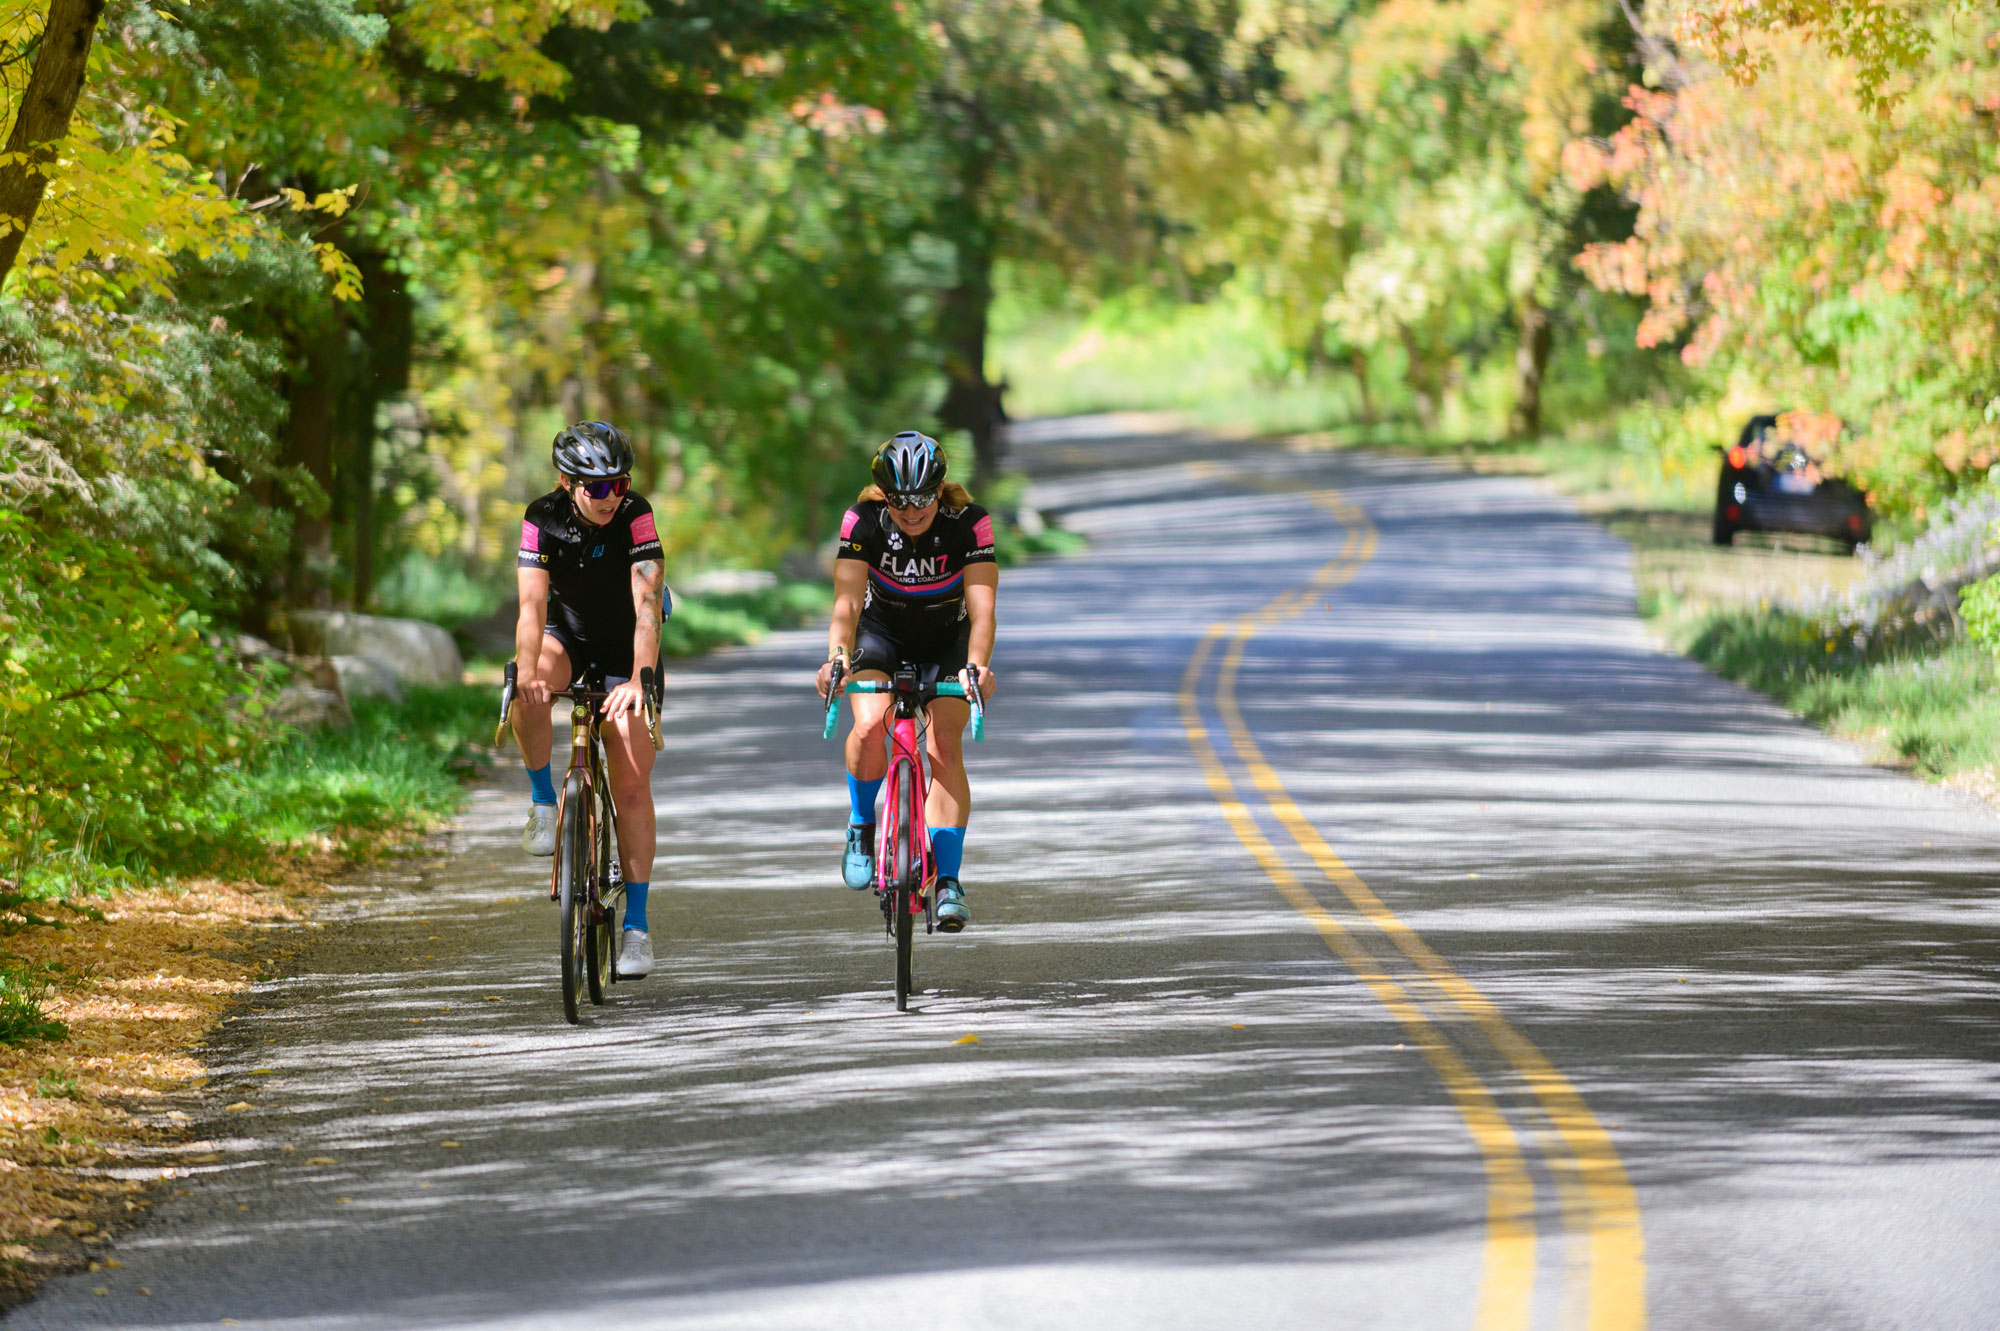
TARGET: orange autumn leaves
(1797,237)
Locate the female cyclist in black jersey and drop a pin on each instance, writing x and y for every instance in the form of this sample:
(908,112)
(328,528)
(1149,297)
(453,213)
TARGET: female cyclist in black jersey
(914,585)
(593,593)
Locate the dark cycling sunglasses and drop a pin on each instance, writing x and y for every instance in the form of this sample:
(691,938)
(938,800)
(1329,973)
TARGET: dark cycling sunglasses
(924,500)
(617,485)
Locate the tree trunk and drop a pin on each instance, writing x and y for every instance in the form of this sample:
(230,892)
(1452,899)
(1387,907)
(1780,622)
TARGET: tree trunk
(391,343)
(309,447)
(46,108)
(1426,380)
(1357,363)
(970,402)
(1531,363)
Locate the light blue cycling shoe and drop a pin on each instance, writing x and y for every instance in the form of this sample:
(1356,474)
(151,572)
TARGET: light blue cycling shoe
(952,912)
(857,866)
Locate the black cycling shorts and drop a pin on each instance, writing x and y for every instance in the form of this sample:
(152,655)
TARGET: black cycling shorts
(613,665)
(937,657)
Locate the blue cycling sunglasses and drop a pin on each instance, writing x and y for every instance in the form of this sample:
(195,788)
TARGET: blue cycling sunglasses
(617,485)
(921,500)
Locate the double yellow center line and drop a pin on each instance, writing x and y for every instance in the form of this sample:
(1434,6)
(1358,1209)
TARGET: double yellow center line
(1605,1267)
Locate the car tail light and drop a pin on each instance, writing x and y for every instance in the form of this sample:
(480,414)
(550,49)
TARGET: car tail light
(1854,522)
(1732,512)
(1739,457)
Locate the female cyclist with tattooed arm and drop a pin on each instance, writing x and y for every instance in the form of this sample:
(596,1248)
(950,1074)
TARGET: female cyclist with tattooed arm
(914,585)
(593,593)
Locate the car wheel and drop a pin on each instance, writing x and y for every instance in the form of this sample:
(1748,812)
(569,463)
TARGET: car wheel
(1723,533)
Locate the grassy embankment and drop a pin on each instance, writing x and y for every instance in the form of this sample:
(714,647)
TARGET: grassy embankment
(1745,612)
(1752,614)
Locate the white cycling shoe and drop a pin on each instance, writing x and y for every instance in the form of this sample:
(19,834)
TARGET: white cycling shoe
(635,959)
(539,836)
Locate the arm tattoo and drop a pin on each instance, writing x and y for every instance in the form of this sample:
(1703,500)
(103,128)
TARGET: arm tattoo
(646,585)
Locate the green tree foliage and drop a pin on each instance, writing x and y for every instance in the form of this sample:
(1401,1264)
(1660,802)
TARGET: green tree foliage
(1804,248)
(111,705)
(1399,199)
(303,287)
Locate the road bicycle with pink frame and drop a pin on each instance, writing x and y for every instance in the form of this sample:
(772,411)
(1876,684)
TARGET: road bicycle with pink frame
(904,873)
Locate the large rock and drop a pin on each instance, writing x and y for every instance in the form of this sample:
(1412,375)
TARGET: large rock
(304,707)
(413,651)
(365,677)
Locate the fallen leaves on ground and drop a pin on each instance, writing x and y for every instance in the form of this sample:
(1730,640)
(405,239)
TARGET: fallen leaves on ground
(139,990)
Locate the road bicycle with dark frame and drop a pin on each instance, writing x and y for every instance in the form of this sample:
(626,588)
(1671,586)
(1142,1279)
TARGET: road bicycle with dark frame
(584,879)
(904,873)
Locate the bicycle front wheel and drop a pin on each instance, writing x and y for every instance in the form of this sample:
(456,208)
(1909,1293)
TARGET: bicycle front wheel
(573,873)
(601,942)
(905,884)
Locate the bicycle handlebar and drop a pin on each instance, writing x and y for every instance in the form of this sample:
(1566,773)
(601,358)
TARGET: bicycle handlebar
(510,689)
(942,689)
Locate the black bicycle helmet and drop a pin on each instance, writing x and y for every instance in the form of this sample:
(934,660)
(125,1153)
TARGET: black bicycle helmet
(910,463)
(592,450)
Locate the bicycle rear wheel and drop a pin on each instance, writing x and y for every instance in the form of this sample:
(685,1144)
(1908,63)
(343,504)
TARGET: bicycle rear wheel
(573,875)
(904,885)
(601,941)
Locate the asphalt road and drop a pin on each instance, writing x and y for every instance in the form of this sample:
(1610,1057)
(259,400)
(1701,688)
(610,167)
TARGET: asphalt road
(1372,929)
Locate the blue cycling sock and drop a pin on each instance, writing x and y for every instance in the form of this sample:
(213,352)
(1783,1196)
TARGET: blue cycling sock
(635,905)
(948,849)
(861,798)
(541,785)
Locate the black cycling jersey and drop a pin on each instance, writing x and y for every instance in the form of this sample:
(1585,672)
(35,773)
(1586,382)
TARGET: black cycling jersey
(916,587)
(590,580)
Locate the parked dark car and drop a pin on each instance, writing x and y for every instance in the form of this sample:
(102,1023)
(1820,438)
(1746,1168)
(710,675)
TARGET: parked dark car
(1770,483)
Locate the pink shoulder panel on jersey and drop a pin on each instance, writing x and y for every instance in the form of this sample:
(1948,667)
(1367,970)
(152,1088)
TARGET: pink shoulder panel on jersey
(847,524)
(531,538)
(643,529)
(982,531)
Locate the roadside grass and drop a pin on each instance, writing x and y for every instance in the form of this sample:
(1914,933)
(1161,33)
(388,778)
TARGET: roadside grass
(357,792)
(1932,708)
(302,802)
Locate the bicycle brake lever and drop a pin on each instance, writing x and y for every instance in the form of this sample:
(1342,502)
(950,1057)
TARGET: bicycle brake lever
(835,683)
(506,702)
(651,707)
